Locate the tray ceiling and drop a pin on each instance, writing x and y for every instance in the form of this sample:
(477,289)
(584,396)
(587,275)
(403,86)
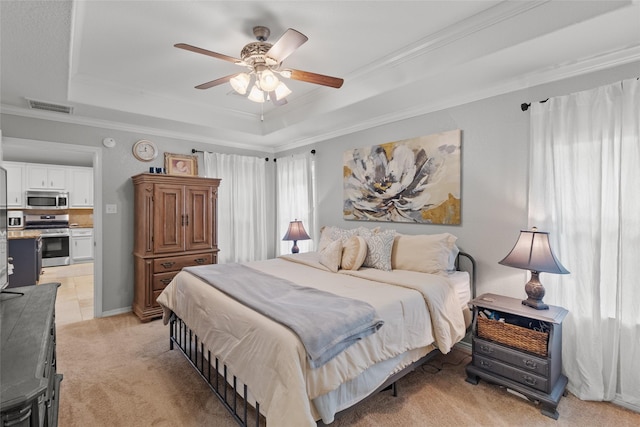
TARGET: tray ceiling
(114,64)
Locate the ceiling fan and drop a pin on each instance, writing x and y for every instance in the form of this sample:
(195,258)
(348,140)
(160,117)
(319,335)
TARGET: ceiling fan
(264,63)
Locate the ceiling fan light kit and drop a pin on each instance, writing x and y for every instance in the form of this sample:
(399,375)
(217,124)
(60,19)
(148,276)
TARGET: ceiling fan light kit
(240,83)
(264,62)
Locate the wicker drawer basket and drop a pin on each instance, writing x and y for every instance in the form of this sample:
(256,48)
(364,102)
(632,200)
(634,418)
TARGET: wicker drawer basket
(514,336)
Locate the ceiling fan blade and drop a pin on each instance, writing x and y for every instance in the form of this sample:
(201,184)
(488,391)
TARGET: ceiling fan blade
(286,45)
(272,96)
(208,53)
(216,82)
(319,79)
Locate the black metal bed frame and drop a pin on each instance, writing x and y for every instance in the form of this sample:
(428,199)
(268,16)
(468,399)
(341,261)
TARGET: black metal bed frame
(224,385)
(218,378)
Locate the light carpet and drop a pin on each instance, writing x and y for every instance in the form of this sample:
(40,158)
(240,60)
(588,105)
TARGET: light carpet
(120,372)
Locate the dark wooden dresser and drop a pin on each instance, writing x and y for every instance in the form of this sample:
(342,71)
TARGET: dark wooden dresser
(519,348)
(30,384)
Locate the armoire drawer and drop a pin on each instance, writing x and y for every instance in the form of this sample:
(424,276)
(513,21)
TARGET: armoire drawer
(177,263)
(161,280)
(523,377)
(516,358)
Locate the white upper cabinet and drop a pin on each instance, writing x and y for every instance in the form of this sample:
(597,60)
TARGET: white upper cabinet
(80,187)
(45,177)
(76,180)
(15,184)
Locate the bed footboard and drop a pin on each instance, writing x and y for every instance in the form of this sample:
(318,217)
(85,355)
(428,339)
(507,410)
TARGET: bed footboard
(215,374)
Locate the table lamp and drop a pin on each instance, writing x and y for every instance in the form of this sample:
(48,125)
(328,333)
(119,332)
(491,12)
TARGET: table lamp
(296,232)
(532,252)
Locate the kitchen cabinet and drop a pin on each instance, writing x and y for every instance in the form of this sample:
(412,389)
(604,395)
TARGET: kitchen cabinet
(175,226)
(46,177)
(80,187)
(27,261)
(15,184)
(81,245)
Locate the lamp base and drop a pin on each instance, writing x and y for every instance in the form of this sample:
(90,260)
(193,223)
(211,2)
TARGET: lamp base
(537,304)
(295,249)
(535,292)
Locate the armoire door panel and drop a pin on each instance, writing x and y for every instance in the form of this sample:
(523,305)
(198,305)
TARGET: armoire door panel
(200,221)
(168,218)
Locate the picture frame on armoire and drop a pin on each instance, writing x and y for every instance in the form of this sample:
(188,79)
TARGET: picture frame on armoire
(181,164)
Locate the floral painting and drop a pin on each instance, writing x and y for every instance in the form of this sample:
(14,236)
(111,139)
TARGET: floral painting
(415,180)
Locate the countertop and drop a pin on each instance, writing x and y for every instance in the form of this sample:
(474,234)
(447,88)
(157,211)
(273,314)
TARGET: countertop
(23,234)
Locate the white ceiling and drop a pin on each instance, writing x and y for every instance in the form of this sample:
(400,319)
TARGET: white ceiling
(115,64)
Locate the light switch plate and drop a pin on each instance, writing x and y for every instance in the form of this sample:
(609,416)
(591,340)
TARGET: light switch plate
(111,209)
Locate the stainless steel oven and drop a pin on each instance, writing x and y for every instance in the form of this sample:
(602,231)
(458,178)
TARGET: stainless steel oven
(55,237)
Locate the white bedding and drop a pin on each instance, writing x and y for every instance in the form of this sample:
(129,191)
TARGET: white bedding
(270,359)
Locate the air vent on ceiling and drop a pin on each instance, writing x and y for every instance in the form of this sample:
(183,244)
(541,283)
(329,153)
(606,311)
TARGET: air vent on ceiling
(49,106)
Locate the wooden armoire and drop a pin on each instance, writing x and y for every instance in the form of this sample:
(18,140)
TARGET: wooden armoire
(175,227)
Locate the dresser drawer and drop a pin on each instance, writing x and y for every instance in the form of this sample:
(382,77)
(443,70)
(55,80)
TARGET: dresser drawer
(518,359)
(161,280)
(176,263)
(527,378)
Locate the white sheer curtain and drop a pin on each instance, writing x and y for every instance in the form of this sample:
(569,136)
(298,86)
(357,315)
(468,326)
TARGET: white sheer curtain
(242,206)
(296,195)
(585,190)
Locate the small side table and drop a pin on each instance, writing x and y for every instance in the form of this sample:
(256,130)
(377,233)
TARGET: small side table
(522,351)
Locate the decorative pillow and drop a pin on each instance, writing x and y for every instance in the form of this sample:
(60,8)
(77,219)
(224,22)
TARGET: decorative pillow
(325,238)
(353,253)
(379,247)
(329,234)
(331,256)
(427,253)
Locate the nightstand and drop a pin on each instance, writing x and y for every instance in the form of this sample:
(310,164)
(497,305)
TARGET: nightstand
(520,348)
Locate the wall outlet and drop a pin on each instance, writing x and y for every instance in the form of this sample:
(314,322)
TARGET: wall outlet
(111,209)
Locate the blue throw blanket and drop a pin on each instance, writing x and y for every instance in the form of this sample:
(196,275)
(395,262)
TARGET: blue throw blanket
(326,323)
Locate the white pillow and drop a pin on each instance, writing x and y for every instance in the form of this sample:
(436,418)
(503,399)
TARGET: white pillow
(379,247)
(331,256)
(353,253)
(426,253)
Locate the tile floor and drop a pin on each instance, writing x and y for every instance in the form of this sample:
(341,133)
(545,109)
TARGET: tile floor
(74,301)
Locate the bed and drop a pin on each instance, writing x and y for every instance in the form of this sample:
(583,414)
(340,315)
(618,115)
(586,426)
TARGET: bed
(261,370)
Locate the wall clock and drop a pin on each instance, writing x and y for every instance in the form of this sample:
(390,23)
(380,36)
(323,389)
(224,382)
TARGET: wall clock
(145,150)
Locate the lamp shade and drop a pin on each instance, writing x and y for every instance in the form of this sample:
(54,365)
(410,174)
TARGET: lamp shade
(533,252)
(296,232)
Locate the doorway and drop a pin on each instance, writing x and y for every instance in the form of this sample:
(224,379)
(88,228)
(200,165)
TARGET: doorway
(81,299)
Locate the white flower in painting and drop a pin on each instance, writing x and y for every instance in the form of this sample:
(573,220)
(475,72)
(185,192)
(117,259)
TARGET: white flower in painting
(390,189)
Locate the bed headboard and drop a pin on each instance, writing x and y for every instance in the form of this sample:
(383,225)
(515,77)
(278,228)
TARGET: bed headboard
(465,262)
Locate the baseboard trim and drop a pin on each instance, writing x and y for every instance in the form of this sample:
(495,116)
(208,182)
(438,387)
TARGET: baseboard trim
(116,312)
(618,401)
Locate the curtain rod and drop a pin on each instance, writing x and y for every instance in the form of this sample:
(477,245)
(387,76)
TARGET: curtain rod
(266,159)
(525,106)
(194,151)
(312,152)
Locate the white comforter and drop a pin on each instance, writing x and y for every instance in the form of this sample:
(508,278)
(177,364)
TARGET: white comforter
(270,358)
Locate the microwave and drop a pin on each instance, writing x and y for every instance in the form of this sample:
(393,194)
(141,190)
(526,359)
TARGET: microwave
(47,200)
